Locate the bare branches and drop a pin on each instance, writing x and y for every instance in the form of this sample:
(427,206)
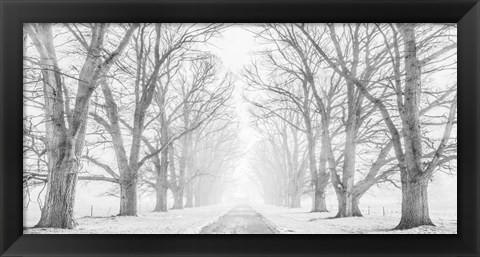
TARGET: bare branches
(443,143)
(104,167)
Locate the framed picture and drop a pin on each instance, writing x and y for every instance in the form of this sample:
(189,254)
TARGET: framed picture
(316,121)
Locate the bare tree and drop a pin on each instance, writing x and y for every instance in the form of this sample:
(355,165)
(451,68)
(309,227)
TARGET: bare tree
(196,93)
(202,98)
(280,160)
(213,158)
(65,128)
(407,87)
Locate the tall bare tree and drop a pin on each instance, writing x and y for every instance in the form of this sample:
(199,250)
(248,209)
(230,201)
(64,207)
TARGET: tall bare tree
(65,127)
(416,167)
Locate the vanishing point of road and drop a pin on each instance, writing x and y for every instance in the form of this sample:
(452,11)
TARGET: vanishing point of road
(242,219)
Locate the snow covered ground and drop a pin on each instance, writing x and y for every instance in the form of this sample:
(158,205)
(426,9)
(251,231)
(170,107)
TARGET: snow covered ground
(187,221)
(282,219)
(302,221)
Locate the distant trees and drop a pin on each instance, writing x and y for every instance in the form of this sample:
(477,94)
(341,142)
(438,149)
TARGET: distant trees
(212,159)
(294,81)
(280,160)
(203,97)
(196,96)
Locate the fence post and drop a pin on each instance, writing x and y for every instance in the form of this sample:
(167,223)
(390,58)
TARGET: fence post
(383,211)
(91,211)
(368,210)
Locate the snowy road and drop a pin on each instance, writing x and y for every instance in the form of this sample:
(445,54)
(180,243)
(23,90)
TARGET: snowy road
(242,219)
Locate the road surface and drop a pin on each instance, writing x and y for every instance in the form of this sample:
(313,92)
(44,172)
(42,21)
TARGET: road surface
(242,219)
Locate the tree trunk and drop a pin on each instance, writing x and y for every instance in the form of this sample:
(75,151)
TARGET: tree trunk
(319,203)
(176,184)
(345,203)
(161,195)
(356,209)
(189,196)
(348,173)
(342,205)
(162,184)
(58,209)
(177,200)
(414,205)
(162,171)
(128,196)
(414,189)
(321,179)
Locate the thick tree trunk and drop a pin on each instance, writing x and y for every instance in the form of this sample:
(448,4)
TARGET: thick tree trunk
(414,205)
(161,196)
(64,144)
(162,171)
(319,196)
(65,149)
(344,187)
(321,180)
(319,203)
(348,203)
(176,184)
(60,200)
(161,184)
(414,189)
(61,148)
(128,197)
(356,209)
(348,173)
(342,205)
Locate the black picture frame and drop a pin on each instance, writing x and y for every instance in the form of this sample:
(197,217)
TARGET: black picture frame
(15,12)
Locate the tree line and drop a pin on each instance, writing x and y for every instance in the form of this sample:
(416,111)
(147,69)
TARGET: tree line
(353,106)
(144,107)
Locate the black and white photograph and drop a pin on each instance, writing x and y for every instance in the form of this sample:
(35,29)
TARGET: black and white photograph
(240,128)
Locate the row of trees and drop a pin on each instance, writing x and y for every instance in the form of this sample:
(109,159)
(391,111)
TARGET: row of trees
(353,105)
(141,106)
